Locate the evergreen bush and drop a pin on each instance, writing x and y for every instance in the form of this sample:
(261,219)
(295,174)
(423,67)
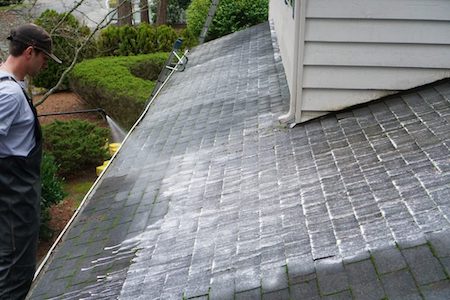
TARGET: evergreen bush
(166,37)
(52,192)
(120,85)
(231,16)
(66,39)
(130,40)
(147,39)
(75,144)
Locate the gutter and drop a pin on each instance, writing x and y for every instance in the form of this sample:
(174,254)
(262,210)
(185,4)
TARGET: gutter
(296,90)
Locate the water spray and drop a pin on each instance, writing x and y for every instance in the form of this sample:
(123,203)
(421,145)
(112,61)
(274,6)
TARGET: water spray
(117,133)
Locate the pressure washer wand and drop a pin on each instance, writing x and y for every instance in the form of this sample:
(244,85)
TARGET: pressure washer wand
(99,110)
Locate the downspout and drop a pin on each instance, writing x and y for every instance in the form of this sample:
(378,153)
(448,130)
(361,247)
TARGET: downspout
(296,87)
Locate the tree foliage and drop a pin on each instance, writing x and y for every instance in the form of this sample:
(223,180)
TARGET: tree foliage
(67,37)
(196,16)
(231,16)
(175,10)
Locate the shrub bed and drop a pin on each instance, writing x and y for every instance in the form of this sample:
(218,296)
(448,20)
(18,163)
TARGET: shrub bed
(120,85)
(75,144)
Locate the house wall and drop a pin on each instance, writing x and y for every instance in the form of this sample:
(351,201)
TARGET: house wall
(355,51)
(282,17)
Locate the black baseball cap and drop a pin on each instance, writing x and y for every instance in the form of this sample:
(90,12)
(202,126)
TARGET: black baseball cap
(35,36)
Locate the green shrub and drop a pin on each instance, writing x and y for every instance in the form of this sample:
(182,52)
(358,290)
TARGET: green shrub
(66,39)
(129,40)
(75,144)
(120,85)
(52,192)
(166,36)
(189,40)
(231,16)
(147,39)
(108,41)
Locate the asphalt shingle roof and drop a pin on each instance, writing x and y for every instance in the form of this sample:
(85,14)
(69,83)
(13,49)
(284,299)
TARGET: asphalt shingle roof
(212,197)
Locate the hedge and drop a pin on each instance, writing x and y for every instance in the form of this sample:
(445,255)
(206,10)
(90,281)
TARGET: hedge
(120,85)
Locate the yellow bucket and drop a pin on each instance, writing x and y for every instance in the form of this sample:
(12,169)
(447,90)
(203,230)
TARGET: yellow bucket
(113,147)
(100,169)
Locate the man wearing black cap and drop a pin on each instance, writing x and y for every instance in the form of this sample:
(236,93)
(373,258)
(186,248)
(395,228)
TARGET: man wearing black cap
(20,160)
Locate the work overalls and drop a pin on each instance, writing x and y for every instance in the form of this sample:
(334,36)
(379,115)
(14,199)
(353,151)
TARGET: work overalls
(20,194)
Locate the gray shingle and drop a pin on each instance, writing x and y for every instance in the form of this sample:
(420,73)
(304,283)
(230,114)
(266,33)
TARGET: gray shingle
(424,266)
(400,285)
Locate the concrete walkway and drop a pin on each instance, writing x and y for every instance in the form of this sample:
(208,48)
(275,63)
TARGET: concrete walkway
(211,198)
(90,12)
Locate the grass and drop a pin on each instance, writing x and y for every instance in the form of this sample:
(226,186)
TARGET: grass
(77,188)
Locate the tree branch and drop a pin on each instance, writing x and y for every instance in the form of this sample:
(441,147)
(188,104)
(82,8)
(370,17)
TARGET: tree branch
(102,24)
(66,15)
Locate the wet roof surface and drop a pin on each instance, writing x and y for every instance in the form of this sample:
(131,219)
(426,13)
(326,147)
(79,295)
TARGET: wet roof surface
(212,197)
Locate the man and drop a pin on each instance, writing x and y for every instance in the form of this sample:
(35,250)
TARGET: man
(20,159)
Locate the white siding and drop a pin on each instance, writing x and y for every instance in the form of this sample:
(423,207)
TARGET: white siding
(377,31)
(281,15)
(355,51)
(377,55)
(336,99)
(380,9)
(372,78)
